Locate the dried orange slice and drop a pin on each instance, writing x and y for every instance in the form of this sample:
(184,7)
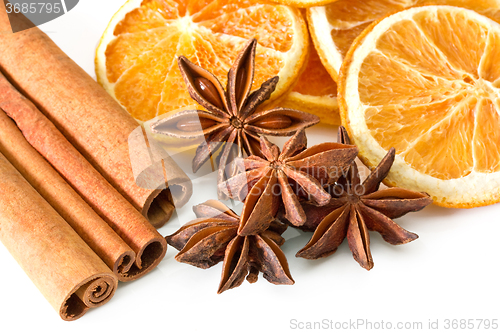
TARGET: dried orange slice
(426,81)
(136,60)
(335,26)
(304,3)
(315,92)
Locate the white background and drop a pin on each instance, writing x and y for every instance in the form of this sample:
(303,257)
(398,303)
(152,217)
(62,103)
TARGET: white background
(450,272)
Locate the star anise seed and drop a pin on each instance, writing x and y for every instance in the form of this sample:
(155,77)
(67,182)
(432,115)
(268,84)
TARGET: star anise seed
(230,118)
(212,238)
(357,207)
(279,177)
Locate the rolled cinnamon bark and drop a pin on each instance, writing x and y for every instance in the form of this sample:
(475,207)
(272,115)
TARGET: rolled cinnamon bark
(133,228)
(62,266)
(61,196)
(89,118)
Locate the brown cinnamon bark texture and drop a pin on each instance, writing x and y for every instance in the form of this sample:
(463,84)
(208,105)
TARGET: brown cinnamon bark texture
(133,228)
(62,266)
(89,118)
(60,195)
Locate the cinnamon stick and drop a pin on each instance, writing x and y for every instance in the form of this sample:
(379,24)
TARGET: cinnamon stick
(117,255)
(89,117)
(133,228)
(62,266)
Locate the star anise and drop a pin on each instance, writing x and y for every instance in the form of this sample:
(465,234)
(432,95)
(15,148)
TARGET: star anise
(282,177)
(230,118)
(357,207)
(213,237)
